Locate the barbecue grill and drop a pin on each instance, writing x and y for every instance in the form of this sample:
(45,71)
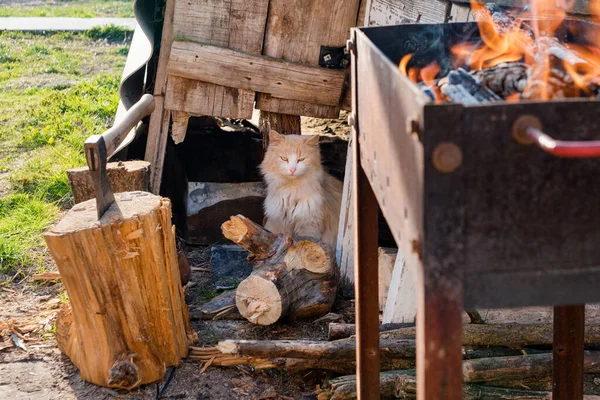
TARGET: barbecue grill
(492,205)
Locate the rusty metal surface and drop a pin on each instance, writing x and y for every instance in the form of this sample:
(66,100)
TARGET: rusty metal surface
(568,351)
(366,258)
(526,230)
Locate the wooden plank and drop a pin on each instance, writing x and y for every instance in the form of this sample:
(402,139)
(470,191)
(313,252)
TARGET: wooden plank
(180,124)
(385,261)
(238,69)
(401,304)
(345,242)
(298,38)
(234,24)
(157,136)
(361,20)
(393,12)
(190,95)
(568,350)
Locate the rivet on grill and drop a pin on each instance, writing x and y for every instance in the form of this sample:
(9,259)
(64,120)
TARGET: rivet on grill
(520,126)
(447,157)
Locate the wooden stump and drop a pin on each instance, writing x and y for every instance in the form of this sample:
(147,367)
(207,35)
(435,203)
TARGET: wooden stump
(129,317)
(294,279)
(125,176)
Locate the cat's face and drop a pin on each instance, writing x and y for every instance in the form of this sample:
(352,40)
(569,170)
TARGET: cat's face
(291,156)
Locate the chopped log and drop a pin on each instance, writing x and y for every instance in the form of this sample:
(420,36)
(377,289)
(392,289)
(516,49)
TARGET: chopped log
(129,317)
(342,331)
(312,349)
(403,385)
(127,176)
(342,366)
(294,279)
(400,384)
(504,335)
(298,355)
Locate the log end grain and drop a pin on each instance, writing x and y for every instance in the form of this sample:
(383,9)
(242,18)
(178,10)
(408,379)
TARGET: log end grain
(258,300)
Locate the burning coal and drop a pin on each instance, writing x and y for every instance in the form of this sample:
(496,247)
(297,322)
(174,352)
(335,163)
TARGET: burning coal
(520,56)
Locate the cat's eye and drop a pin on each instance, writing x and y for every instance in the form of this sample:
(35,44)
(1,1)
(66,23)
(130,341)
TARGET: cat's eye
(284,159)
(301,159)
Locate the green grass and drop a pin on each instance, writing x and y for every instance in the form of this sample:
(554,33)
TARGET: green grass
(55,91)
(69,8)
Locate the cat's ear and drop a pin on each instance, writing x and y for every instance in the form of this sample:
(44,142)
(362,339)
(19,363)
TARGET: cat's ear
(275,137)
(313,141)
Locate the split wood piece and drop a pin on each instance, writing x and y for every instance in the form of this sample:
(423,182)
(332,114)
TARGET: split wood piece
(127,176)
(342,366)
(221,307)
(129,317)
(294,279)
(504,335)
(282,79)
(403,385)
(342,331)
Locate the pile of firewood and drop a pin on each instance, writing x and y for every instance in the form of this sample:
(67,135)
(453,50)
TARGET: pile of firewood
(501,361)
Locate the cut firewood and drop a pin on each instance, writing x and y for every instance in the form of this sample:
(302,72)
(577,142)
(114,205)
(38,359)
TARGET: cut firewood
(342,331)
(402,384)
(312,349)
(503,335)
(221,307)
(129,320)
(294,279)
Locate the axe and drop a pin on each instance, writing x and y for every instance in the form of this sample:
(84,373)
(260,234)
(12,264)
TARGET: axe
(99,148)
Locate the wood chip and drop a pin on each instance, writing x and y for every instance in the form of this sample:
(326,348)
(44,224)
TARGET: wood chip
(201,269)
(46,276)
(207,364)
(18,342)
(9,290)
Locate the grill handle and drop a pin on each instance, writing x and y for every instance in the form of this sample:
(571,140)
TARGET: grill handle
(527,129)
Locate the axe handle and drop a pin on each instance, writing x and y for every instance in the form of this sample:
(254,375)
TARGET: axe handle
(98,148)
(115,135)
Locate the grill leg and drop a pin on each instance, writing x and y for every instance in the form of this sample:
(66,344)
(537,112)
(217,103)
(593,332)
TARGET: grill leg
(439,337)
(569,324)
(366,282)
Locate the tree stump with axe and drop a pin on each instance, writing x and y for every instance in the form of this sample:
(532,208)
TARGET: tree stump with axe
(116,254)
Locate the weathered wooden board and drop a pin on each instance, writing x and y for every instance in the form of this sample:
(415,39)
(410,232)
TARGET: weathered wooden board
(344,251)
(201,98)
(297,34)
(157,136)
(461,13)
(386,262)
(282,79)
(234,24)
(401,302)
(393,12)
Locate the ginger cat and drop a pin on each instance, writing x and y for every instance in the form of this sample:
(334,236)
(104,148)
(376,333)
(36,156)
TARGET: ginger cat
(302,199)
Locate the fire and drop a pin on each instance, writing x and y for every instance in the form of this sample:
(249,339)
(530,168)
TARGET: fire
(555,69)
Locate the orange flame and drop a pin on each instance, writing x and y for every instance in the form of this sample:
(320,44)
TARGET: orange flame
(529,38)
